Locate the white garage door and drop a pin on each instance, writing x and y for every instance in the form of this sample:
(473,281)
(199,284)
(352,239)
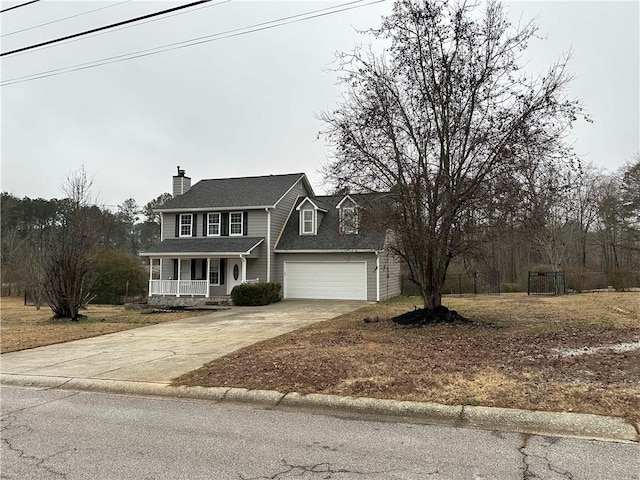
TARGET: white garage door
(326,280)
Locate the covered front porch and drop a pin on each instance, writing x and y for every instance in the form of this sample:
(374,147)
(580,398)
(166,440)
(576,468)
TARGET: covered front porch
(190,277)
(203,267)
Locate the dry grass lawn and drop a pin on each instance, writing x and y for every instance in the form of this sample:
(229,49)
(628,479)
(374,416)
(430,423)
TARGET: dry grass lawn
(515,353)
(25,327)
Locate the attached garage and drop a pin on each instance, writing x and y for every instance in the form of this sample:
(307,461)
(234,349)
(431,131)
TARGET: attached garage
(340,280)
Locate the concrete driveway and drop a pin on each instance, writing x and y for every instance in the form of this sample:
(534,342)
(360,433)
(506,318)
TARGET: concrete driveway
(159,353)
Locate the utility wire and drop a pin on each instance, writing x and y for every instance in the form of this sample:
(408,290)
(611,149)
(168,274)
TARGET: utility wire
(97,34)
(65,18)
(194,41)
(105,27)
(18,6)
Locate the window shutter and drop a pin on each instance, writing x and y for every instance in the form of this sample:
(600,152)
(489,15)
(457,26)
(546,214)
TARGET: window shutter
(245,223)
(175,268)
(204,269)
(223,265)
(224,224)
(193,269)
(177,225)
(205,221)
(194,227)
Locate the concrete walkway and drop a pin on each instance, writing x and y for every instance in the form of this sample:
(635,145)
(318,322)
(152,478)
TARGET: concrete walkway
(159,353)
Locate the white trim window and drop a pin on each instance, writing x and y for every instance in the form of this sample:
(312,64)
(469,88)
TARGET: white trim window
(306,222)
(350,221)
(213,224)
(186,224)
(214,271)
(235,223)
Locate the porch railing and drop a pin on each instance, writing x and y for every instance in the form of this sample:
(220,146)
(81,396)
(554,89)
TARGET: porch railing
(178,287)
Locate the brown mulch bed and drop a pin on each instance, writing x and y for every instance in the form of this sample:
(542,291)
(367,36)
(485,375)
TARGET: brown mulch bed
(512,355)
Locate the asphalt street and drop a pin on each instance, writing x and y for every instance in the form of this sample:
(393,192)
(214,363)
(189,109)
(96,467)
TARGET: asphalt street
(61,434)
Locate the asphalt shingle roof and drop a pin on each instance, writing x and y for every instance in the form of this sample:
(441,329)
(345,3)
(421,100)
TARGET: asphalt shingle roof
(328,236)
(204,245)
(234,192)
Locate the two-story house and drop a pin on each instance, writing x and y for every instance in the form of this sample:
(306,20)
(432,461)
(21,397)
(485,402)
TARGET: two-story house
(223,232)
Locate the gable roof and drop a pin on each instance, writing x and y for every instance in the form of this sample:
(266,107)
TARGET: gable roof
(241,192)
(347,197)
(308,200)
(328,237)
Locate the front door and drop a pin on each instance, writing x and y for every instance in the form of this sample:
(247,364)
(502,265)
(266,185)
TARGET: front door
(234,274)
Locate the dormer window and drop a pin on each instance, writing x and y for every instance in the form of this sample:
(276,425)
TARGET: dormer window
(307,222)
(309,217)
(349,215)
(349,222)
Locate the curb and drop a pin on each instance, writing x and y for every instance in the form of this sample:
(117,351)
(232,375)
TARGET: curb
(596,427)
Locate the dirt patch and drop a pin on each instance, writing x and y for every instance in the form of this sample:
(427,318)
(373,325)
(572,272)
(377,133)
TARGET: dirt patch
(25,327)
(506,356)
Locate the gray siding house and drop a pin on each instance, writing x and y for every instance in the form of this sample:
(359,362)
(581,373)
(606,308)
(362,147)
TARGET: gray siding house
(224,232)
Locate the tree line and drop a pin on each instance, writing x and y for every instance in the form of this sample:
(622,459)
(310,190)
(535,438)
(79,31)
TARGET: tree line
(69,251)
(580,220)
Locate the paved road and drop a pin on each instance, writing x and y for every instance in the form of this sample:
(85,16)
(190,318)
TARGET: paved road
(57,434)
(162,352)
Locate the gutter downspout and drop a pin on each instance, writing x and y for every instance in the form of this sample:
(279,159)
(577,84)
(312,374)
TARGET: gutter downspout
(268,244)
(243,274)
(377,276)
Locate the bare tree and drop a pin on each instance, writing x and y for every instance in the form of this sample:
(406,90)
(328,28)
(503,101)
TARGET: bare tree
(68,261)
(34,273)
(446,112)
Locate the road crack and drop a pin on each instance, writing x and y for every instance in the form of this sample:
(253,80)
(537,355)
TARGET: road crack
(323,470)
(11,430)
(527,462)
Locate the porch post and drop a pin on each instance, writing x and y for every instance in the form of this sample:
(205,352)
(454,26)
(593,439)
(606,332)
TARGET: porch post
(244,269)
(150,273)
(208,277)
(178,286)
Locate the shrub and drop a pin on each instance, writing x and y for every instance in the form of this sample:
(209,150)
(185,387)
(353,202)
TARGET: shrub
(120,277)
(621,279)
(254,294)
(576,277)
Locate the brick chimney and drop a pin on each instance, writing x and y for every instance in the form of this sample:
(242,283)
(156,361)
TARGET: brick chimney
(181,183)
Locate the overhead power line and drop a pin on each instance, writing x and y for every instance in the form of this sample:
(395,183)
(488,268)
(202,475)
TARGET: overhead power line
(18,6)
(124,27)
(63,19)
(105,27)
(194,41)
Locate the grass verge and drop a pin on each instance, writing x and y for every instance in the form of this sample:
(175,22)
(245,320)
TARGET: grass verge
(537,353)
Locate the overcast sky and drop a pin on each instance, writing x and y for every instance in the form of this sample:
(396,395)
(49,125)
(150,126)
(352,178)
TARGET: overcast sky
(248,105)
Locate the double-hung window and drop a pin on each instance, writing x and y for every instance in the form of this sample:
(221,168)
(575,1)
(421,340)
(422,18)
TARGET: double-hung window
(185,224)
(307,221)
(213,223)
(214,271)
(235,223)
